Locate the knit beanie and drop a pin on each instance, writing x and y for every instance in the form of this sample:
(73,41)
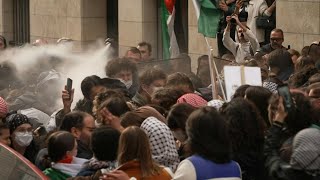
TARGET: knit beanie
(306,151)
(15,120)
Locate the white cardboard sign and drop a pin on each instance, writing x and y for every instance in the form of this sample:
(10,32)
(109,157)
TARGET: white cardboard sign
(235,76)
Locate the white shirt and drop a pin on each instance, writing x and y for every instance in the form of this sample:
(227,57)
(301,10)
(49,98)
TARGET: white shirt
(186,171)
(243,49)
(256,8)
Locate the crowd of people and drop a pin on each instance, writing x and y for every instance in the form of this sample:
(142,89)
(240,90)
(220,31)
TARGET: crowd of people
(147,119)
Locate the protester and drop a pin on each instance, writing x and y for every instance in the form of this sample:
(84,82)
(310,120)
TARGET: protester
(90,87)
(177,118)
(294,55)
(181,82)
(80,125)
(260,96)
(134,53)
(110,111)
(166,97)
(145,50)
(304,161)
(125,70)
(4,134)
(313,91)
(62,151)
(104,158)
(134,156)
(192,99)
(280,64)
(211,149)
(150,80)
(247,42)
(300,116)
(160,138)
(21,136)
(246,131)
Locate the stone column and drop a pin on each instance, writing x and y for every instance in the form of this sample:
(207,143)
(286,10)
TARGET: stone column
(300,21)
(137,22)
(6,19)
(197,43)
(81,20)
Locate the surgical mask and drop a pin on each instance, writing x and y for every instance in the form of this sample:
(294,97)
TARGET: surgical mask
(23,138)
(128,84)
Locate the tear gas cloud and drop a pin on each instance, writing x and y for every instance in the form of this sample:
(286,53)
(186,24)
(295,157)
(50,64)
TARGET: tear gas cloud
(30,60)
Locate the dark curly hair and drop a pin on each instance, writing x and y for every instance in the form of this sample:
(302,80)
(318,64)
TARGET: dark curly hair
(246,126)
(166,97)
(300,117)
(116,65)
(208,135)
(301,77)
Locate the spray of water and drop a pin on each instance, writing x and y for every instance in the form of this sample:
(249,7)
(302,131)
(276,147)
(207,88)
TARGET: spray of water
(75,65)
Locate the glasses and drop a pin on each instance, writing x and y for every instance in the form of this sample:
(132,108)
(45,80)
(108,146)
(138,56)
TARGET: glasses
(276,39)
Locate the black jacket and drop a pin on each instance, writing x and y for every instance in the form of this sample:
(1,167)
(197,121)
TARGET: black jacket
(276,168)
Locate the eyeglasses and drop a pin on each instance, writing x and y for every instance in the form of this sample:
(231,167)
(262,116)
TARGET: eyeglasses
(276,39)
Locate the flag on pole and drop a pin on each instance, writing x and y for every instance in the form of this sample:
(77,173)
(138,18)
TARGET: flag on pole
(208,17)
(169,41)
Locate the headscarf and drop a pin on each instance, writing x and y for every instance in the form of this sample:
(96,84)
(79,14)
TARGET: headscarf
(147,111)
(162,142)
(216,103)
(3,106)
(306,154)
(192,99)
(15,120)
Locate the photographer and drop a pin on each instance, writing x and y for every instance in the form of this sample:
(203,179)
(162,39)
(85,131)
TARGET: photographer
(247,44)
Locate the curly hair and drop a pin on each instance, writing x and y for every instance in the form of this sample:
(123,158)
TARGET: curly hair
(246,126)
(300,117)
(301,77)
(119,64)
(166,97)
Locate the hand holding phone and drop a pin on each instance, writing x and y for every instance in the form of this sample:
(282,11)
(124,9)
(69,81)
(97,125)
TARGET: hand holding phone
(67,96)
(69,86)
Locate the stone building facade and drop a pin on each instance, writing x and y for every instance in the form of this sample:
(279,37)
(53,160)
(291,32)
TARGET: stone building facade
(138,20)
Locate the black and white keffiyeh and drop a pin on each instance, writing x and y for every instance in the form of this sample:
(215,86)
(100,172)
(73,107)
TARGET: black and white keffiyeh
(162,142)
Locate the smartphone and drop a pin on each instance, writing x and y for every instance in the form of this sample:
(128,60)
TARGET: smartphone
(284,92)
(289,46)
(69,86)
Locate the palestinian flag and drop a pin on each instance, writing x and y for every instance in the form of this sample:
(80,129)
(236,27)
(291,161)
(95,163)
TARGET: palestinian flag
(169,41)
(208,16)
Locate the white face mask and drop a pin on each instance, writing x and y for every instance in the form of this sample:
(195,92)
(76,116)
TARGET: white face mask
(128,84)
(23,138)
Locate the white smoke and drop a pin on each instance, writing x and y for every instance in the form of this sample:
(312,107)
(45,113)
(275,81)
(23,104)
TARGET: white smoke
(76,65)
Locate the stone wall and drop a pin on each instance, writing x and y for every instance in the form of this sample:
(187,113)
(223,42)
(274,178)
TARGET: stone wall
(137,22)
(6,19)
(300,21)
(80,20)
